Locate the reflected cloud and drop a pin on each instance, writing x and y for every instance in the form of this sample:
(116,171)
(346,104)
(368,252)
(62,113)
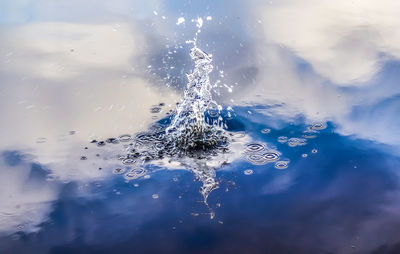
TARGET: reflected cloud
(344,41)
(25,200)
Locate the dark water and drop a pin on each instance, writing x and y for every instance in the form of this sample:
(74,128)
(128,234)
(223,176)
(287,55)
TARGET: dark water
(74,71)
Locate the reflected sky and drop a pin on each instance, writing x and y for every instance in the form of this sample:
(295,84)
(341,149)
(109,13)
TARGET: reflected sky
(73,71)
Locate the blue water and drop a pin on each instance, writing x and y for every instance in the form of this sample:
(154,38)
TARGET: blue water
(323,203)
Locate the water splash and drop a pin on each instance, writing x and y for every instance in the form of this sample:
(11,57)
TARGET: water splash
(194,136)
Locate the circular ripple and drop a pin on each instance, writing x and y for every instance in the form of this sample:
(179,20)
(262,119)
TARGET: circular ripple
(112,141)
(155,110)
(265,131)
(124,137)
(256,159)
(318,126)
(128,161)
(282,139)
(135,173)
(281,164)
(248,172)
(271,156)
(101,143)
(292,142)
(119,171)
(254,148)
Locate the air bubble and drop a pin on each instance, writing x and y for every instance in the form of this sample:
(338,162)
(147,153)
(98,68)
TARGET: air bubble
(155,196)
(314,151)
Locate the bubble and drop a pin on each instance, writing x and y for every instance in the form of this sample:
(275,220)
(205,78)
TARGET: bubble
(155,109)
(146,177)
(112,141)
(265,131)
(281,164)
(125,138)
(318,126)
(155,196)
(271,156)
(304,155)
(119,171)
(314,151)
(101,143)
(282,139)
(254,148)
(135,173)
(83,158)
(248,172)
(256,159)
(292,142)
(128,161)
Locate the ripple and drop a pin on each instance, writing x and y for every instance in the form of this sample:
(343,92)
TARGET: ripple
(271,156)
(248,172)
(282,139)
(101,143)
(119,171)
(128,161)
(135,173)
(265,131)
(292,142)
(112,141)
(281,164)
(318,126)
(155,109)
(254,148)
(256,159)
(125,137)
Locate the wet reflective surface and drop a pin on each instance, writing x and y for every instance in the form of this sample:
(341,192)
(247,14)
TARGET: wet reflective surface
(308,95)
